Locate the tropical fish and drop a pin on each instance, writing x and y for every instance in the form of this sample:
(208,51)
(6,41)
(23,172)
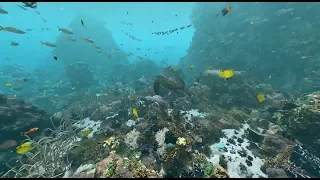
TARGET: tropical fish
(55,58)
(24,148)
(8,85)
(135,112)
(86,132)
(225,10)
(278,119)
(64,30)
(191,68)
(48,44)
(260,97)
(12,29)
(30,131)
(226,73)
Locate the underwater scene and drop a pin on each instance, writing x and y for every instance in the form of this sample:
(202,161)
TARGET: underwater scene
(159,90)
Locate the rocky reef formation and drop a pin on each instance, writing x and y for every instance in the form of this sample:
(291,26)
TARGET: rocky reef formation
(263,43)
(80,75)
(18,116)
(300,120)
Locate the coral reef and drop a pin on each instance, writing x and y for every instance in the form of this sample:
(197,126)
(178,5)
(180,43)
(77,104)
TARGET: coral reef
(300,120)
(18,116)
(80,75)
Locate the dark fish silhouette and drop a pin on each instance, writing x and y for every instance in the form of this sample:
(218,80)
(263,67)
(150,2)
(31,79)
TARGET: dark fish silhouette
(32,5)
(82,23)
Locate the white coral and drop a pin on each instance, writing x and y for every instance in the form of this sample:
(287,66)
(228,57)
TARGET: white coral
(155,98)
(160,138)
(131,139)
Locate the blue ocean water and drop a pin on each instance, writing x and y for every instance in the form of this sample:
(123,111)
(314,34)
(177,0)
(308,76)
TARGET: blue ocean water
(145,18)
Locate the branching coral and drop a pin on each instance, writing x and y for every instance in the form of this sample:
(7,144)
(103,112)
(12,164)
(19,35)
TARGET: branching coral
(131,139)
(160,138)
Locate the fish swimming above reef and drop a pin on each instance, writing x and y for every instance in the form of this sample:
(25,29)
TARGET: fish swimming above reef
(25,147)
(226,73)
(7,85)
(30,131)
(135,112)
(172,83)
(225,10)
(221,73)
(260,97)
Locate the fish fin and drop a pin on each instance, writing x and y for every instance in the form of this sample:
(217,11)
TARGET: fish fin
(42,43)
(1,28)
(156,87)
(59,29)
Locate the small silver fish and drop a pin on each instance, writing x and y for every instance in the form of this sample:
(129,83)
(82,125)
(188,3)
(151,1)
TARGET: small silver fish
(12,29)
(65,30)
(48,44)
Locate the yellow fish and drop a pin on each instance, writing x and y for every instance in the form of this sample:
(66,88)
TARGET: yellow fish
(86,132)
(305,57)
(226,73)
(8,85)
(105,94)
(278,119)
(25,147)
(135,112)
(260,97)
(191,67)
